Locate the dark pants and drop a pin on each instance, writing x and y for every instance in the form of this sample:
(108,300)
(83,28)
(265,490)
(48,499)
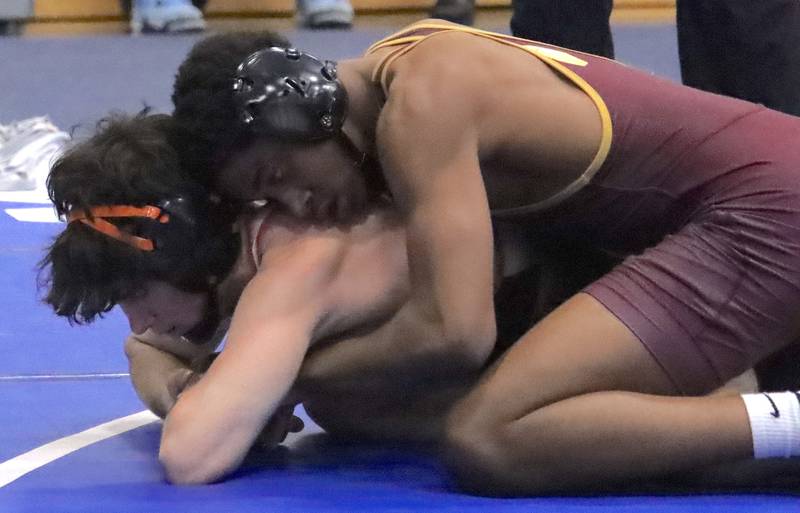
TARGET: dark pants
(742,48)
(576,24)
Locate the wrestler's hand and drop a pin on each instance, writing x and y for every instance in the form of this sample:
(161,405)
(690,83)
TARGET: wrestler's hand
(180,380)
(282,422)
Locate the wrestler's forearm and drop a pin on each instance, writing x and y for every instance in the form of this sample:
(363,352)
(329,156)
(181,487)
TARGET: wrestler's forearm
(214,423)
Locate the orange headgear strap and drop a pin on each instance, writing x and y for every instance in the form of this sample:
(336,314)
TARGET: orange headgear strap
(96,219)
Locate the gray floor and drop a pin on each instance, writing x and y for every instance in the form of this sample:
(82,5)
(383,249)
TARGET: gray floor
(77,80)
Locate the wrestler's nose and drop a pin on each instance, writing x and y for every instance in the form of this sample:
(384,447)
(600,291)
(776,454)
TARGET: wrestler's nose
(140,320)
(298,201)
(139,325)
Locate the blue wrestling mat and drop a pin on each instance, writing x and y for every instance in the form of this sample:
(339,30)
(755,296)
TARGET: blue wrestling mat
(73,437)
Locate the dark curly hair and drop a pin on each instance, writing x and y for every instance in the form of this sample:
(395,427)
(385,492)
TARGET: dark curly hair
(203,96)
(130,160)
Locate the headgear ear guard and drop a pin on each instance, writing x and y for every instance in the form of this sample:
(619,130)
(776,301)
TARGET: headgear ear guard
(167,230)
(287,93)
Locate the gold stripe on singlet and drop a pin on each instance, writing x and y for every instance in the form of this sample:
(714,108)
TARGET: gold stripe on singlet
(407,39)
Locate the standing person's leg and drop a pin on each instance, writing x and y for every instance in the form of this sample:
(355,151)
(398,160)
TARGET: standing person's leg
(576,24)
(126,5)
(748,50)
(167,16)
(325,14)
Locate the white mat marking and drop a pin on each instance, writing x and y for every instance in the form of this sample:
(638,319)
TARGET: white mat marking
(13,469)
(34,215)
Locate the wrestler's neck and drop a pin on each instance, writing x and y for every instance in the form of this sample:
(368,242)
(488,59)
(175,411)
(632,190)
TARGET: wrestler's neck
(365,102)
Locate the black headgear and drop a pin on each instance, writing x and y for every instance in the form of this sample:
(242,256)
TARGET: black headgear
(167,229)
(287,93)
(189,218)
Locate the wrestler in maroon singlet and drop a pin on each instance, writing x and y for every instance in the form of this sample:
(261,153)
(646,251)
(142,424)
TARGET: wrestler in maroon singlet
(706,212)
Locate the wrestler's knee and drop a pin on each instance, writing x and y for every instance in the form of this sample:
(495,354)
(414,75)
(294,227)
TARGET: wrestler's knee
(480,456)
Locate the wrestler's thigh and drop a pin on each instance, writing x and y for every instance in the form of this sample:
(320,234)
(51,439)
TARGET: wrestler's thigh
(579,348)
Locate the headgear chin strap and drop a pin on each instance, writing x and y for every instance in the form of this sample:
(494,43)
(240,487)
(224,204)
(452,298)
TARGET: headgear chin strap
(287,93)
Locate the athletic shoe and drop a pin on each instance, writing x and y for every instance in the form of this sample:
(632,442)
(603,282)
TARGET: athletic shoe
(166,16)
(320,14)
(27,149)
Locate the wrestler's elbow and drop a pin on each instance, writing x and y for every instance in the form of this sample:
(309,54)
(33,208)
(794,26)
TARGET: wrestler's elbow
(470,341)
(183,466)
(180,469)
(193,456)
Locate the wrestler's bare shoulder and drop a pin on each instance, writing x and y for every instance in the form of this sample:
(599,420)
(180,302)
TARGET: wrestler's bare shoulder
(461,55)
(502,86)
(536,132)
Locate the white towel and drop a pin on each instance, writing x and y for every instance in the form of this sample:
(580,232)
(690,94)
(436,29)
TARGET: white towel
(27,150)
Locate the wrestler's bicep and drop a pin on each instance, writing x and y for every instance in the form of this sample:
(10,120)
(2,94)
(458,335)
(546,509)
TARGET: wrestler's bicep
(429,151)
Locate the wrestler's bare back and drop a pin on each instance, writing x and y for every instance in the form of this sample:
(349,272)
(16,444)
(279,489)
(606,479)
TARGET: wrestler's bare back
(366,266)
(359,272)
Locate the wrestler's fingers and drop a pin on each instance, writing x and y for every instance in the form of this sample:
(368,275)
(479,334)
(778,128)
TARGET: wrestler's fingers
(178,381)
(278,427)
(296,425)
